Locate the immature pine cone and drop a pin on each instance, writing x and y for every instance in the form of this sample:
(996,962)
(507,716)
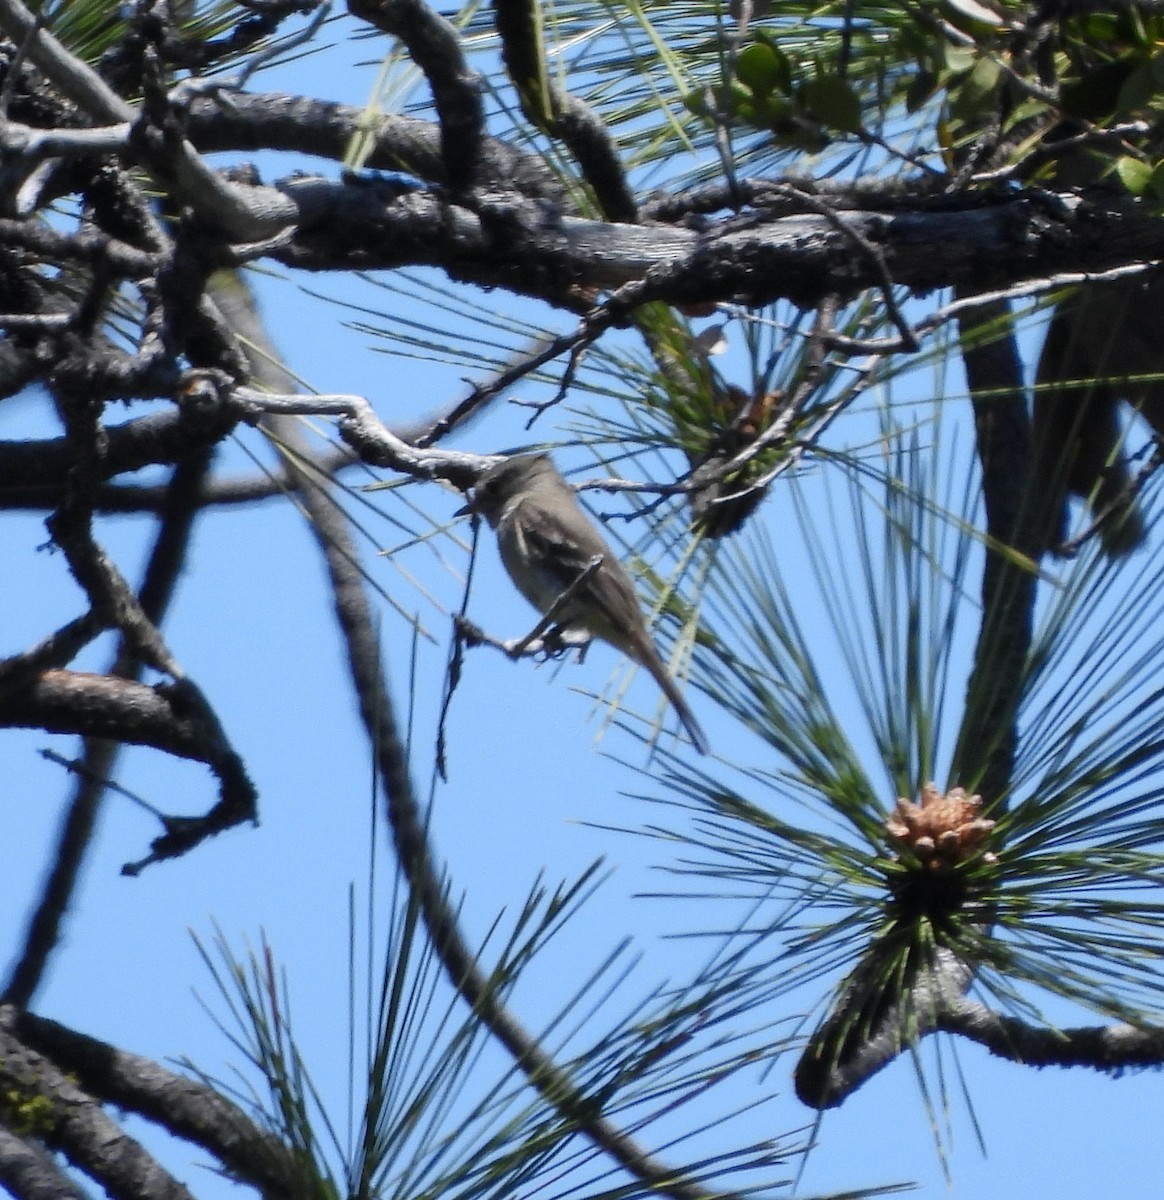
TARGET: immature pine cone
(942,830)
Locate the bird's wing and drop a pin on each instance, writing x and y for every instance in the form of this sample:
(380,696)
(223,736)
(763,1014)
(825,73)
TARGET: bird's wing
(562,553)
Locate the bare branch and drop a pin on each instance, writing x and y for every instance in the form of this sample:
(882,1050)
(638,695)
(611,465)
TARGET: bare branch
(247,214)
(174,718)
(75,1124)
(1108,1048)
(751,259)
(322,127)
(533,643)
(435,46)
(27,1170)
(362,429)
(185,1107)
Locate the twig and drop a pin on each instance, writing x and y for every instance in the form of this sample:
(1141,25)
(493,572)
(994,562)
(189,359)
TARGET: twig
(456,662)
(76,766)
(57,650)
(362,429)
(1118,503)
(1108,1048)
(909,340)
(1049,151)
(28,144)
(198,85)
(110,597)
(174,718)
(589,329)
(35,320)
(533,642)
(568,375)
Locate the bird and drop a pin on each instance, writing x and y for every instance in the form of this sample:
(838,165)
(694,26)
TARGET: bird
(547,544)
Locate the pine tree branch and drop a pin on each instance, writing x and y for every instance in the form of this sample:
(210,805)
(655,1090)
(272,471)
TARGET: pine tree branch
(66,1118)
(434,44)
(863,1034)
(428,889)
(186,1108)
(1108,1048)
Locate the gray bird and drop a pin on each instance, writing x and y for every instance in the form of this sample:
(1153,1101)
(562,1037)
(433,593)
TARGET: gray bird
(547,542)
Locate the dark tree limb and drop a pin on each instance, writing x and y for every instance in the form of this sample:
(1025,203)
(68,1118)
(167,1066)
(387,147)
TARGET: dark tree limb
(100,706)
(435,46)
(173,718)
(186,1108)
(224,491)
(100,755)
(67,1119)
(110,597)
(27,1170)
(984,758)
(864,1033)
(751,259)
(85,245)
(305,125)
(561,115)
(33,473)
(1107,1048)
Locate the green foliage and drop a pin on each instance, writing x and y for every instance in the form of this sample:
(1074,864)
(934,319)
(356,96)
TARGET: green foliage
(438,1110)
(843,650)
(94,28)
(868,611)
(796,107)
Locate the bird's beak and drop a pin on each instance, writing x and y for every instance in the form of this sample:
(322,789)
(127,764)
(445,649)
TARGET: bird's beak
(467,510)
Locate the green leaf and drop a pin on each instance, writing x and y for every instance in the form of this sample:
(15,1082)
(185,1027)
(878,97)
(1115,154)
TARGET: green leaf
(959,58)
(1134,174)
(1138,90)
(1099,27)
(760,68)
(774,112)
(978,92)
(833,101)
(695,101)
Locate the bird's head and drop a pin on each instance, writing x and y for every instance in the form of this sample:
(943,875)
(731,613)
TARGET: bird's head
(497,486)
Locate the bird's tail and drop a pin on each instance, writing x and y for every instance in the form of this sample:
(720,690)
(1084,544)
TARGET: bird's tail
(663,678)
